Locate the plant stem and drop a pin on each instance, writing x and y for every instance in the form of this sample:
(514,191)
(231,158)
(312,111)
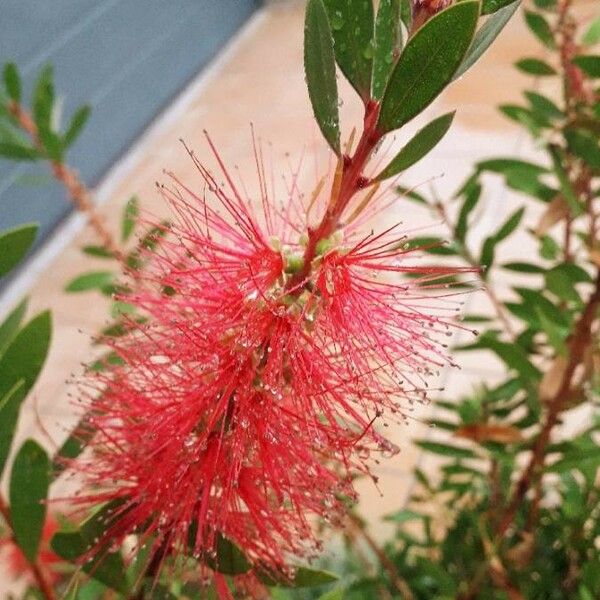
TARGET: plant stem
(78,192)
(36,570)
(580,341)
(350,183)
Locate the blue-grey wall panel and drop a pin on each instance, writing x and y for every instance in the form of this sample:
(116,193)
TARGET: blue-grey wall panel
(127,58)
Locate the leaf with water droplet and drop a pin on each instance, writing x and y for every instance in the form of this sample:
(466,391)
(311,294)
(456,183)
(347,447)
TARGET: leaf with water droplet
(428,64)
(387,44)
(352,28)
(319,66)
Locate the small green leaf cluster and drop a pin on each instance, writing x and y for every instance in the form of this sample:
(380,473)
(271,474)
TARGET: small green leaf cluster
(25,138)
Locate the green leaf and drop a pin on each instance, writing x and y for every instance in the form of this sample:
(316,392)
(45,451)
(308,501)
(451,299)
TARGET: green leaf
(76,125)
(487,33)
(388,44)
(421,143)
(561,281)
(25,356)
(43,99)
(351,24)
(523,267)
(10,326)
(129,219)
(486,258)
(229,560)
(533,121)
(541,29)
(491,6)
(16,151)
(535,66)
(304,577)
(544,105)
(410,194)
(319,67)
(106,567)
(12,81)
(445,449)
(90,281)
(566,187)
(512,355)
(403,515)
(29,481)
(20,365)
(10,404)
(14,245)
(428,64)
(589,65)
(471,198)
(510,225)
(98,251)
(506,165)
(432,245)
(592,34)
(585,145)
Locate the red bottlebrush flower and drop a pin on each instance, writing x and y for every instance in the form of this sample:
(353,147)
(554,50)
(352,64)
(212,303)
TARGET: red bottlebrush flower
(19,567)
(246,401)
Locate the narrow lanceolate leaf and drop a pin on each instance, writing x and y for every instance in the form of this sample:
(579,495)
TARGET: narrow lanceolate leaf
(491,6)
(90,281)
(10,403)
(10,325)
(566,186)
(510,225)
(541,29)
(488,32)
(20,365)
(29,481)
(534,66)
(543,105)
(471,199)
(428,64)
(388,44)
(15,151)
(319,66)
(445,449)
(14,245)
(592,34)
(130,215)
(589,65)
(43,98)
(12,81)
(76,125)
(351,24)
(423,141)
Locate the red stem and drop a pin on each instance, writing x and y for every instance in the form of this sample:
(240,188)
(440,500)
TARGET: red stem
(351,182)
